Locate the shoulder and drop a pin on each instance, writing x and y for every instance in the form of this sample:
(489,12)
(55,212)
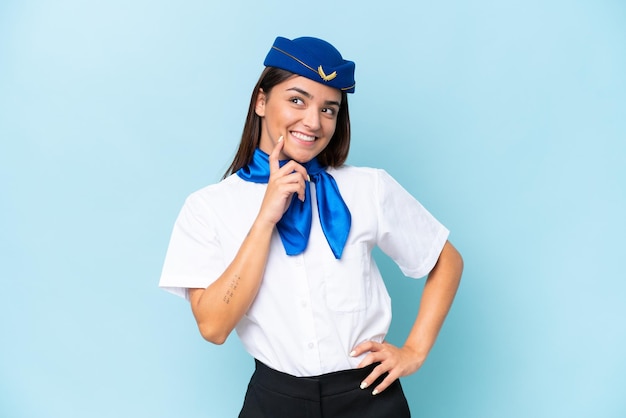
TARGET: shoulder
(353,173)
(381,187)
(224,187)
(216,194)
(360,186)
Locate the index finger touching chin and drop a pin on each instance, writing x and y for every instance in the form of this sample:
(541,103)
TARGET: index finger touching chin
(273,157)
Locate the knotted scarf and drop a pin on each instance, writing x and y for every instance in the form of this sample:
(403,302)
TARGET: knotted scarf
(294,227)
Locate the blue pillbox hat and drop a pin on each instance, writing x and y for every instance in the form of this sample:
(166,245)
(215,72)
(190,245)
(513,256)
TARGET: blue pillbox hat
(312,58)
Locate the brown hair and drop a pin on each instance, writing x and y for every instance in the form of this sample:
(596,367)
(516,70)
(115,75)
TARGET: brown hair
(335,153)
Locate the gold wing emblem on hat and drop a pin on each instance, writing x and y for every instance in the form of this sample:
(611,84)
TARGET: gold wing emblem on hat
(325,77)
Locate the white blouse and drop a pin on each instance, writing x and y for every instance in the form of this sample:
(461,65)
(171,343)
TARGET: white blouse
(311,309)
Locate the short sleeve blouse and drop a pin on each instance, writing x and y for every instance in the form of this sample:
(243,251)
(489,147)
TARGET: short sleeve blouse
(311,309)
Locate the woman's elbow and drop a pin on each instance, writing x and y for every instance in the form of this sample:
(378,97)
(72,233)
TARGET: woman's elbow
(212,334)
(211,327)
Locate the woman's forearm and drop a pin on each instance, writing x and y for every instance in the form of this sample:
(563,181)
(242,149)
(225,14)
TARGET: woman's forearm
(220,306)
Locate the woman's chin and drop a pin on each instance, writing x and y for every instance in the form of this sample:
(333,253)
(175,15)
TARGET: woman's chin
(301,155)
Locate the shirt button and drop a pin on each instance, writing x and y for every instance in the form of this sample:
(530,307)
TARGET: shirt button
(311,345)
(304,304)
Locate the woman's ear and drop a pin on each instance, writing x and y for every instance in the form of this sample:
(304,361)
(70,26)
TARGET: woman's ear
(261,99)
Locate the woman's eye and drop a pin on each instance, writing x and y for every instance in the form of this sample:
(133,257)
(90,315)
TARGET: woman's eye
(296,100)
(329,111)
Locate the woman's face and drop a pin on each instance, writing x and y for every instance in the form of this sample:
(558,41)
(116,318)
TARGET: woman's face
(304,112)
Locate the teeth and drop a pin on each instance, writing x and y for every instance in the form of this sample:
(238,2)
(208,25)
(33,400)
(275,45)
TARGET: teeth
(303,137)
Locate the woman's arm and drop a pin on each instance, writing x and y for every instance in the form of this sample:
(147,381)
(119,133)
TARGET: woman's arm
(439,291)
(218,308)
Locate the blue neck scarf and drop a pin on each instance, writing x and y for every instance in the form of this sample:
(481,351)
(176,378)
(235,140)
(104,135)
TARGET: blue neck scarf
(294,227)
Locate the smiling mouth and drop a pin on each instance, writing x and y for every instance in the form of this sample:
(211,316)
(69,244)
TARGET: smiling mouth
(303,137)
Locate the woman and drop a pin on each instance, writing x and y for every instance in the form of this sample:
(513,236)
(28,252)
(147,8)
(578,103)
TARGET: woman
(280,250)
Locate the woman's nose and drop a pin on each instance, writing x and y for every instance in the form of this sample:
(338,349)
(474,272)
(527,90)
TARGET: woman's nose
(312,118)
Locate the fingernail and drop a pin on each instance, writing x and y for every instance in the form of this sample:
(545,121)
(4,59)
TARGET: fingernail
(352,353)
(363,385)
(375,392)
(280,138)
(308,178)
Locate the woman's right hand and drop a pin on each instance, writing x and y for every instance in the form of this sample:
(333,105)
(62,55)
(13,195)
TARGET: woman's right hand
(220,306)
(283,183)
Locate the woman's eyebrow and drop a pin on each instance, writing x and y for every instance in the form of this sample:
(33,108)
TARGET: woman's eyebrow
(302,92)
(310,96)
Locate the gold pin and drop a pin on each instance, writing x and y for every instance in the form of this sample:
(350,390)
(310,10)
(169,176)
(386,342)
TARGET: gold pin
(325,77)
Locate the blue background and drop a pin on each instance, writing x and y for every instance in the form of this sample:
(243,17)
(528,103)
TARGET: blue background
(505,118)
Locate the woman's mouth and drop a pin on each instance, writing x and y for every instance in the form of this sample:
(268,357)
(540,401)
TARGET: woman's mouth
(303,137)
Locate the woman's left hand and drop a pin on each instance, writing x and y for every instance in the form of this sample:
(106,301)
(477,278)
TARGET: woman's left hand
(398,362)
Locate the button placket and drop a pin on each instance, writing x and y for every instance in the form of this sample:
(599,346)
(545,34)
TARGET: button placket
(308,335)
